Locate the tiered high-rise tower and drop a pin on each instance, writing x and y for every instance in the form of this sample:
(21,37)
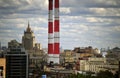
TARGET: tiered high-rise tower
(28,40)
(53,32)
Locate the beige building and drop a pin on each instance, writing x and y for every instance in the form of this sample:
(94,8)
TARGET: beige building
(95,64)
(86,52)
(69,57)
(28,40)
(34,49)
(36,56)
(2,68)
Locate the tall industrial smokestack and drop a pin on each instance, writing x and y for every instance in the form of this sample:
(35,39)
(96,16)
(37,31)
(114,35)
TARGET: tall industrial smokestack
(56,32)
(50,32)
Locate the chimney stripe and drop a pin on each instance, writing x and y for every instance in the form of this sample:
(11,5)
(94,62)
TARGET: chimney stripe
(50,31)
(56,31)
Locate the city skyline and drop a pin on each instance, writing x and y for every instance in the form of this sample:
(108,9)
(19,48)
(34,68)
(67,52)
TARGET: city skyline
(82,23)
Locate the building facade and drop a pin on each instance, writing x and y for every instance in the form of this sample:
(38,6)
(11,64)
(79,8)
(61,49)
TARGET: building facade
(86,52)
(28,40)
(16,63)
(67,57)
(13,43)
(96,64)
(34,49)
(2,68)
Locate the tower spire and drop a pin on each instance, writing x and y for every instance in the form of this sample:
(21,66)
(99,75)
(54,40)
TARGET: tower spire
(28,25)
(28,28)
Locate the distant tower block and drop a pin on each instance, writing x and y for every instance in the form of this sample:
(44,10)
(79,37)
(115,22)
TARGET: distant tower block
(28,39)
(50,32)
(56,32)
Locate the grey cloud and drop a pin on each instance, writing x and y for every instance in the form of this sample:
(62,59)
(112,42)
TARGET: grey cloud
(91,3)
(8,8)
(88,22)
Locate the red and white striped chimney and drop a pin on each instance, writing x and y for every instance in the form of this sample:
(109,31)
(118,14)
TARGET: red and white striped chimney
(56,32)
(50,32)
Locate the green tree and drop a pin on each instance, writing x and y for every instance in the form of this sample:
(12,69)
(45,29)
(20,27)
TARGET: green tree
(116,74)
(105,74)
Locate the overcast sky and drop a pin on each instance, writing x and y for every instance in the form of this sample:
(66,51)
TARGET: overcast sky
(82,22)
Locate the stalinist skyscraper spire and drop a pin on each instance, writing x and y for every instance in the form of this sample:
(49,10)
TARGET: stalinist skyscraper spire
(28,40)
